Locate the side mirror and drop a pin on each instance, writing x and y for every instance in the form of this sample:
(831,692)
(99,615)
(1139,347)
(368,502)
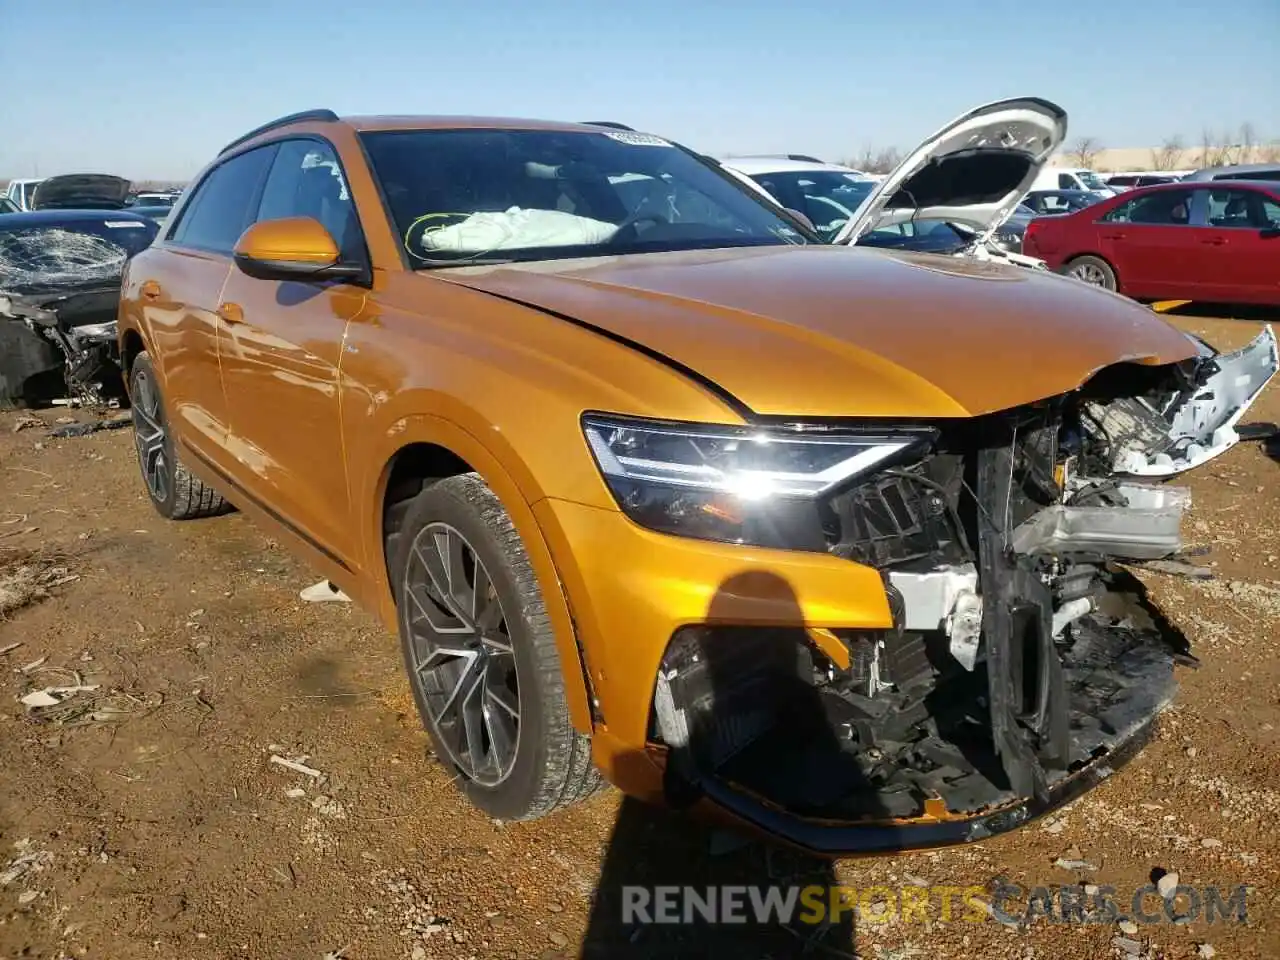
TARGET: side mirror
(1270,233)
(801,217)
(291,248)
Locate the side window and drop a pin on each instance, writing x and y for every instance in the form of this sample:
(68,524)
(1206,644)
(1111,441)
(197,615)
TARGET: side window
(1242,209)
(1166,208)
(222,206)
(306,181)
(1066,182)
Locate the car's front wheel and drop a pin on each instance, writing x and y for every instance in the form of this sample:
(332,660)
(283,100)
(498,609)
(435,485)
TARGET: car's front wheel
(481,656)
(1092,270)
(176,493)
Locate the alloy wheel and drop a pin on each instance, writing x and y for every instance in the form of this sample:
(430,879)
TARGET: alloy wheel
(463,661)
(150,436)
(1090,273)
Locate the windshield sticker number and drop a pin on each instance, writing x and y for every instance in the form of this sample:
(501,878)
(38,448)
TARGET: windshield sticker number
(638,139)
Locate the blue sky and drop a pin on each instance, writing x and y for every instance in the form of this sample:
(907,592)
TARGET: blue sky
(147,88)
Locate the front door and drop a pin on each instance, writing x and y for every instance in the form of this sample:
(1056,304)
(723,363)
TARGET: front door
(280,354)
(1240,245)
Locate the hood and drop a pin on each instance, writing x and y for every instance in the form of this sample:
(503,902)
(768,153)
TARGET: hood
(93,191)
(823,331)
(975,169)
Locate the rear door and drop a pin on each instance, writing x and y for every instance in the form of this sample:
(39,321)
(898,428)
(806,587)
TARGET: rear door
(1239,245)
(281,349)
(177,288)
(1151,243)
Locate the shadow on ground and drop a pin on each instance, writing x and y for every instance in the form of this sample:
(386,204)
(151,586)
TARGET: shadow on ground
(1220,311)
(754,717)
(651,847)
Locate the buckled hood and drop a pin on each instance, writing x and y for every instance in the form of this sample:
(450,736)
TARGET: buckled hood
(974,170)
(823,331)
(90,191)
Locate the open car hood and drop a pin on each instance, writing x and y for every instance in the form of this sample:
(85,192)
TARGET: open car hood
(95,191)
(974,170)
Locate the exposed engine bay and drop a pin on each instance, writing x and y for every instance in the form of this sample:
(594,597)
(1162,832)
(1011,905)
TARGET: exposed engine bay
(1023,647)
(81,326)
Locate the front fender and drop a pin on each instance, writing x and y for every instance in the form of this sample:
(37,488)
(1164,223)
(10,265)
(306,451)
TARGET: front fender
(422,428)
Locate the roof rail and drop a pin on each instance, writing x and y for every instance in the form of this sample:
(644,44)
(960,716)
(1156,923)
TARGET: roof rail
(319,116)
(608,123)
(799,157)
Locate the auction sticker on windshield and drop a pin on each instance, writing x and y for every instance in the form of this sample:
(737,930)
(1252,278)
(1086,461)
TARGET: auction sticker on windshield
(639,139)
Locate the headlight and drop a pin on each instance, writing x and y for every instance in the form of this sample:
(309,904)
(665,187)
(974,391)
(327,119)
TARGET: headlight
(736,484)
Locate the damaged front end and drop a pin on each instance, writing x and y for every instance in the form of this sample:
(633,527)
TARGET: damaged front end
(1024,661)
(81,327)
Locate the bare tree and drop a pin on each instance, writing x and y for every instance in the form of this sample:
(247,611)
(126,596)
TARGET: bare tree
(1084,152)
(1169,155)
(1248,140)
(873,160)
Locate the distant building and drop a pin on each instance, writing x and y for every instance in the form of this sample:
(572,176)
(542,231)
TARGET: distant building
(1118,159)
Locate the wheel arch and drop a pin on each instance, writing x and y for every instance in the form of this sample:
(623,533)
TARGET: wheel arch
(429,449)
(131,344)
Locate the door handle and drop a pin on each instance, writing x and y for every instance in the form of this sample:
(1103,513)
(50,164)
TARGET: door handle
(1113,236)
(1215,242)
(150,290)
(231,313)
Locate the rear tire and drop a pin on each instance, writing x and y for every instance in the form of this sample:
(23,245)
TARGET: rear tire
(480,652)
(175,492)
(1094,271)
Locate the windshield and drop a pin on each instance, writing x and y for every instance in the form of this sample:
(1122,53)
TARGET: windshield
(925,235)
(827,197)
(476,196)
(1090,180)
(70,253)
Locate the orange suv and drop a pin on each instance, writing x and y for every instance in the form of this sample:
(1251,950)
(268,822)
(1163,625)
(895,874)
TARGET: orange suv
(651,482)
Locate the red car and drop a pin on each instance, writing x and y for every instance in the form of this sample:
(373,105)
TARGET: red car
(1217,241)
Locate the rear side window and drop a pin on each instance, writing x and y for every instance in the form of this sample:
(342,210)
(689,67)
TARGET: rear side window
(1167,208)
(224,202)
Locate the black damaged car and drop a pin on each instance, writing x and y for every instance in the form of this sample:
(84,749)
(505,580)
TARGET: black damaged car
(60,273)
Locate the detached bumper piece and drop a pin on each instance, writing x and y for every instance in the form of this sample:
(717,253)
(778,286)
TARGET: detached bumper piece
(1024,665)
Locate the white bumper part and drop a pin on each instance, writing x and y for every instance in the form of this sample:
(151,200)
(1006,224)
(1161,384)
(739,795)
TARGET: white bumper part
(1203,425)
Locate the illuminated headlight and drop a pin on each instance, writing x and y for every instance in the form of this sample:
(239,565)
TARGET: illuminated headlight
(736,484)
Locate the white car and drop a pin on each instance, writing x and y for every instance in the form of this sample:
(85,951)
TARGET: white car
(21,191)
(827,194)
(949,195)
(1072,178)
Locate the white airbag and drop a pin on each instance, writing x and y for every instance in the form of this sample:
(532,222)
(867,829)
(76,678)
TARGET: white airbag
(517,228)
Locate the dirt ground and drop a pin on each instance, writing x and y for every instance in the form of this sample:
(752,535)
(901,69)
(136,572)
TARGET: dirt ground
(144,817)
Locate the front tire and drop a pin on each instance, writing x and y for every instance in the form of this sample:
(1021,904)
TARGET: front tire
(1094,271)
(175,492)
(481,655)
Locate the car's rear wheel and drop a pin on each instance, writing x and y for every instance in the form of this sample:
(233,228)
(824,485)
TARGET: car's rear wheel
(481,656)
(175,492)
(1092,270)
